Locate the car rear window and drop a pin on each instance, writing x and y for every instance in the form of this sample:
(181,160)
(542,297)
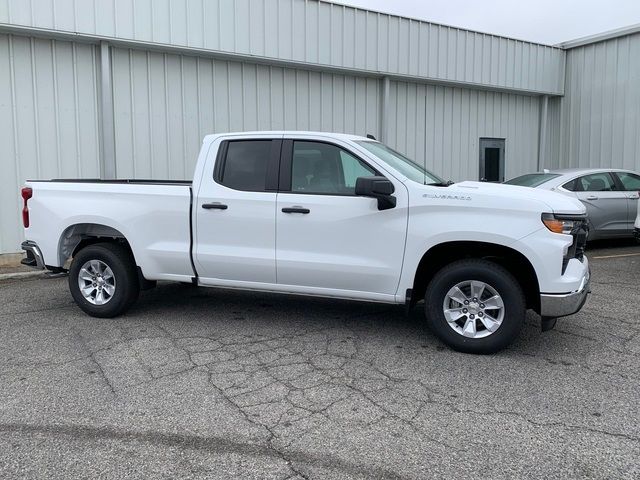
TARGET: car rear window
(532,179)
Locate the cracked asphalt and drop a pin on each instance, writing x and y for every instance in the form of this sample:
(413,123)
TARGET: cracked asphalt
(204,383)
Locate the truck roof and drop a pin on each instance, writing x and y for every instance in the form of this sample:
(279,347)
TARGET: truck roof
(343,136)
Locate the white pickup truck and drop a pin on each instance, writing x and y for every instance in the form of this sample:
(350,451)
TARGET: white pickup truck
(319,214)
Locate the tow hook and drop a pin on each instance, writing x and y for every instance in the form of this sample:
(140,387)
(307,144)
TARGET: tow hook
(547,323)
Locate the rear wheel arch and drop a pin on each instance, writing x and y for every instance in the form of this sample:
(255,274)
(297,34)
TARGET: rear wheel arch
(80,235)
(441,255)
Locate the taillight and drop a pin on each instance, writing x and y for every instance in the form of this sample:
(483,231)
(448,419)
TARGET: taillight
(27,193)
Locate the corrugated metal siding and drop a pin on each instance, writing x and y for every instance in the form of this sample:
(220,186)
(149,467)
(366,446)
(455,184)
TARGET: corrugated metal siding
(164,105)
(441,127)
(48,120)
(601,109)
(308,31)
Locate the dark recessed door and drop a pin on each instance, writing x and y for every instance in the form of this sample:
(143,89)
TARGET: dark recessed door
(492,160)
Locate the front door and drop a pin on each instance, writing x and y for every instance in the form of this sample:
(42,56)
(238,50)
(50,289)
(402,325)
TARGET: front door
(492,159)
(326,236)
(235,230)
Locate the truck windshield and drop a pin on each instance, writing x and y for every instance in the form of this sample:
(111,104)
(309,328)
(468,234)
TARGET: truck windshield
(532,179)
(404,165)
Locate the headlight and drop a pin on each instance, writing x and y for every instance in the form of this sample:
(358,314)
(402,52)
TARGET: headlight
(562,223)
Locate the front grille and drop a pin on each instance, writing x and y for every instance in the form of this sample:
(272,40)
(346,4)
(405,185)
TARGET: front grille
(576,250)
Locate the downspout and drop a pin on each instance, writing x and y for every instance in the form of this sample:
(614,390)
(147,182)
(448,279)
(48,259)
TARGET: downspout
(107,152)
(384,110)
(542,141)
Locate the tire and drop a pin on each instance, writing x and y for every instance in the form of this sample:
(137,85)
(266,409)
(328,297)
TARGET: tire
(117,279)
(491,329)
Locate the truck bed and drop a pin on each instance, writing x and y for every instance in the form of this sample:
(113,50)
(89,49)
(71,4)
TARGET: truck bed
(153,215)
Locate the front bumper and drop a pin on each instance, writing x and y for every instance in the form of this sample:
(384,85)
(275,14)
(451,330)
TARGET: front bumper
(561,305)
(34,256)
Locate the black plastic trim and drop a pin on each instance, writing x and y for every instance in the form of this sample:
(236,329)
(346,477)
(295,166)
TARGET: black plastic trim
(127,181)
(296,210)
(193,265)
(286,157)
(214,206)
(273,167)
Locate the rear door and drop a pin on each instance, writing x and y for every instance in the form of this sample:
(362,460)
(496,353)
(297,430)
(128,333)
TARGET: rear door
(235,213)
(630,182)
(327,237)
(605,202)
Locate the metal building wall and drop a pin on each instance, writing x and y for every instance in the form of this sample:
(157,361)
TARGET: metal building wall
(308,31)
(441,127)
(164,104)
(600,112)
(48,120)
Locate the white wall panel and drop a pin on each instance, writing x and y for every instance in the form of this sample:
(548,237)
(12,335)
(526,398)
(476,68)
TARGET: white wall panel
(440,127)
(600,112)
(164,105)
(48,120)
(308,31)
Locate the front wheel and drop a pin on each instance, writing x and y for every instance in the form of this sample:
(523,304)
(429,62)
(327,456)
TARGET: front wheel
(475,306)
(103,280)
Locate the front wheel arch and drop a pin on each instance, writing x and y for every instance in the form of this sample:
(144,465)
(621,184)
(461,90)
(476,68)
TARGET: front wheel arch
(441,255)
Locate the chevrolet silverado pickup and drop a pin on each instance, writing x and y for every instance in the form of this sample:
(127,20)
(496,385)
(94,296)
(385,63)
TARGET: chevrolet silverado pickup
(322,214)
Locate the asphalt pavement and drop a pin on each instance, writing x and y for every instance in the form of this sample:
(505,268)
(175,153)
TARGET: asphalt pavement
(206,383)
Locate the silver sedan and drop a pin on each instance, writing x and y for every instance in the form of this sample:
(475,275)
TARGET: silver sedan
(610,195)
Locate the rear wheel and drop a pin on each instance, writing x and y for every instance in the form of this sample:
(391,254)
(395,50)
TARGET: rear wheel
(475,306)
(103,279)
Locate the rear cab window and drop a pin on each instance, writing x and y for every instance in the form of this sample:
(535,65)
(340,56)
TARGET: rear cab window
(245,164)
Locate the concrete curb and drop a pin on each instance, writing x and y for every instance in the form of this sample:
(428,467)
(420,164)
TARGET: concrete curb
(16,275)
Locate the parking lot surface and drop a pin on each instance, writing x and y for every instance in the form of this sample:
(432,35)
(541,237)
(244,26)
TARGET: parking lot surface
(203,383)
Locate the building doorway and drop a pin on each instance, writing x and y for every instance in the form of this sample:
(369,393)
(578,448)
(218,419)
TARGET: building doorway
(491,160)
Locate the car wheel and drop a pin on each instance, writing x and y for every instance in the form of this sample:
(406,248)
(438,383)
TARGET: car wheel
(103,280)
(475,306)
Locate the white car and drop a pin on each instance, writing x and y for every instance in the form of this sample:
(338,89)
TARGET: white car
(319,214)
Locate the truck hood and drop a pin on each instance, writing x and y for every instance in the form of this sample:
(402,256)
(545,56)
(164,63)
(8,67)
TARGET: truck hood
(509,196)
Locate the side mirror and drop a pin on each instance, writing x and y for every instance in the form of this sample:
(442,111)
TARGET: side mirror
(379,188)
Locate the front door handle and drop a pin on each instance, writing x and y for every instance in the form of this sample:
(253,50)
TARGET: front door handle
(214,205)
(296,210)
(592,197)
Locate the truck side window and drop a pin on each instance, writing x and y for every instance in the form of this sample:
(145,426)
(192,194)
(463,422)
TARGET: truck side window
(245,165)
(322,168)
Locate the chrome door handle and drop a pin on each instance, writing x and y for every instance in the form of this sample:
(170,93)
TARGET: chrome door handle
(592,197)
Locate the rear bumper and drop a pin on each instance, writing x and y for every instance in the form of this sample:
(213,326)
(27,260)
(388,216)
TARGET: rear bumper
(34,256)
(561,305)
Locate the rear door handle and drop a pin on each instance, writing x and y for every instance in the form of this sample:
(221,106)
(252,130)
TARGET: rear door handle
(214,205)
(296,210)
(592,197)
